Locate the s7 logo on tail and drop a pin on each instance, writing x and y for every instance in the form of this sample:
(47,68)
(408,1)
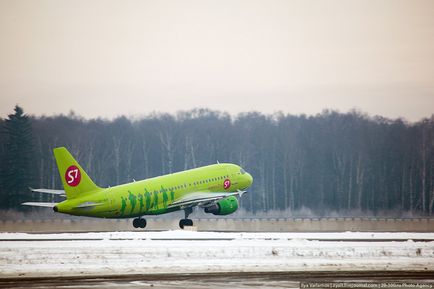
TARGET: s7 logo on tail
(72,176)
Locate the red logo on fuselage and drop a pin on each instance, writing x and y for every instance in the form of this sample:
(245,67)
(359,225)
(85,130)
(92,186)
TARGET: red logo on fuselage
(227,184)
(72,176)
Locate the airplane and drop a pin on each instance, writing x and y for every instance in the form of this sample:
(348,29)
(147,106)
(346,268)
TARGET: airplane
(215,188)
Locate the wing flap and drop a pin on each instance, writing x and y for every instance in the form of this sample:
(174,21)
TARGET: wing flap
(203,198)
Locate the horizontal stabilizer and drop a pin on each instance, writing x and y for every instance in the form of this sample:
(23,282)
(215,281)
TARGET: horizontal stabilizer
(49,191)
(37,204)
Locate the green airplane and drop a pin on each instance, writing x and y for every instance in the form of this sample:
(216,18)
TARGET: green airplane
(215,188)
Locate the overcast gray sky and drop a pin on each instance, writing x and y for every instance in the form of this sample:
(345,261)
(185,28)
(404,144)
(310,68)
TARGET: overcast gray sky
(111,57)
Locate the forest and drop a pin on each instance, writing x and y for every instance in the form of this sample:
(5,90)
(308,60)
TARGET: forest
(347,163)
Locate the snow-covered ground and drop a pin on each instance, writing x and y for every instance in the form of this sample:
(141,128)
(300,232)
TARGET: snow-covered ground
(199,252)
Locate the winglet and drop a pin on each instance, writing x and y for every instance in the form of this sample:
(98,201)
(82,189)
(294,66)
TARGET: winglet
(241,193)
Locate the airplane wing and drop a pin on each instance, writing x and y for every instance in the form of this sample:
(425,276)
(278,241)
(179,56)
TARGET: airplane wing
(49,191)
(37,204)
(88,205)
(203,199)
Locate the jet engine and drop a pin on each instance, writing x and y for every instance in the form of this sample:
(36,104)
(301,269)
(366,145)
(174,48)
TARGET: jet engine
(223,207)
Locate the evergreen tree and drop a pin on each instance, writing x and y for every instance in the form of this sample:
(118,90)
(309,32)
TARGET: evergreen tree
(17,168)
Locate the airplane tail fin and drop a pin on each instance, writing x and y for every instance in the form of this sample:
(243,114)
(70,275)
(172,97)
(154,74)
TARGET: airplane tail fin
(74,179)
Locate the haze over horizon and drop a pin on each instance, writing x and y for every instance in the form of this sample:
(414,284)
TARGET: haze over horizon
(110,58)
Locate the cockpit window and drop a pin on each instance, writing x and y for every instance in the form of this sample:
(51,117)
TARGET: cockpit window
(242,171)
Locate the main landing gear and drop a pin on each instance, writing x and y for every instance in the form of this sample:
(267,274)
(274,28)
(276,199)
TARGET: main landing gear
(139,223)
(186,222)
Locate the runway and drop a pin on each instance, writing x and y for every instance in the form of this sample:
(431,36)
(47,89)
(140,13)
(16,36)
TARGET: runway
(184,235)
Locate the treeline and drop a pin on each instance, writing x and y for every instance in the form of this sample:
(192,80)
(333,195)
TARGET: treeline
(342,162)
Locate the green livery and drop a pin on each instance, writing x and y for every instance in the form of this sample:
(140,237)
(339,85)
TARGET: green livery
(215,188)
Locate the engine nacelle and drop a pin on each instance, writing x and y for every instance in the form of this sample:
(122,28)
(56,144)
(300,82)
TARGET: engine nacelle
(223,207)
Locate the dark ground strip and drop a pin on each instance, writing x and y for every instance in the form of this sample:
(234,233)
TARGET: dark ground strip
(223,279)
(216,239)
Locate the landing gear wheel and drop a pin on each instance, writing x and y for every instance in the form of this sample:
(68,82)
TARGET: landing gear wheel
(136,223)
(139,223)
(185,222)
(142,223)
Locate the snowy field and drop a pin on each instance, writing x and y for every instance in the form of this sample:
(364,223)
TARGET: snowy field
(117,253)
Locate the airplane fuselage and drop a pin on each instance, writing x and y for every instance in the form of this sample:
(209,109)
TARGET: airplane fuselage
(156,196)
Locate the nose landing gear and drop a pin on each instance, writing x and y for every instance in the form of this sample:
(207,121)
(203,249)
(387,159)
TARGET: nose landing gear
(186,222)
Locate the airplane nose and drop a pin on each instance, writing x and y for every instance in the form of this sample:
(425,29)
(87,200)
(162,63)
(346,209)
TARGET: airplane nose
(249,179)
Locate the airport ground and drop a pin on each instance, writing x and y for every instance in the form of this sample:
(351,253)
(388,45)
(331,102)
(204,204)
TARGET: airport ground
(358,255)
